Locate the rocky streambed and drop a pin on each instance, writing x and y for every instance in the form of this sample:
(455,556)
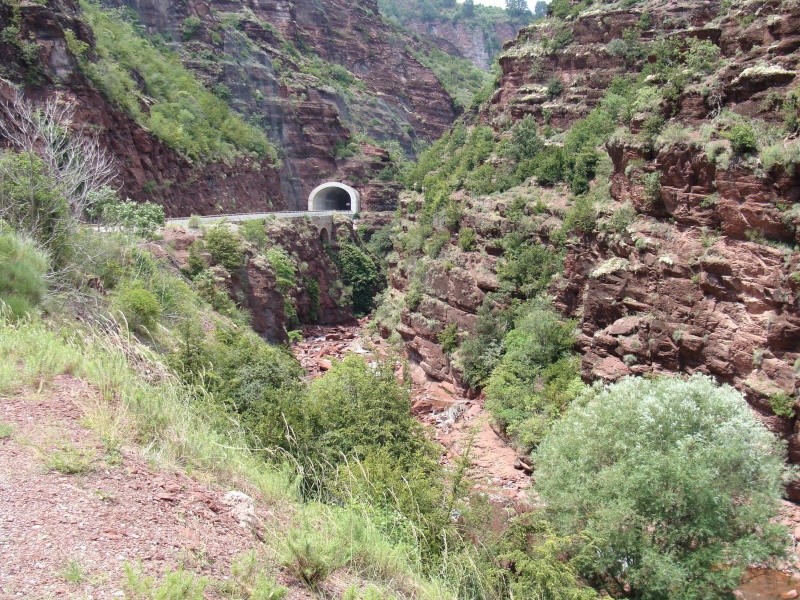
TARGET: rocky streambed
(459,424)
(463,427)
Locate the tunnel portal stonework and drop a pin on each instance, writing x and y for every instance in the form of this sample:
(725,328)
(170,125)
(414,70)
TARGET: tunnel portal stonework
(334,196)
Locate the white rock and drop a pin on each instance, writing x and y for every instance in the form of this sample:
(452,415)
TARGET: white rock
(243,508)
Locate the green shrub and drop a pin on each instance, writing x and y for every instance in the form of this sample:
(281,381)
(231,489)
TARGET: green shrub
(257,381)
(702,56)
(308,559)
(581,216)
(254,232)
(448,338)
(564,8)
(194,263)
(537,377)
(286,280)
(525,142)
(190,27)
(554,88)
(436,242)
(22,274)
(527,269)
(354,410)
(743,138)
(224,247)
(284,267)
(548,166)
(139,218)
(413,297)
(452,216)
(635,469)
(652,187)
(481,352)
(359,272)
(782,404)
(540,559)
(620,219)
(466,239)
(365,444)
(312,289)
(381,243)
(139,306)
(581,170)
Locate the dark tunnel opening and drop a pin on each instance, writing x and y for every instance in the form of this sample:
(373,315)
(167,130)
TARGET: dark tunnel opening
(332,198)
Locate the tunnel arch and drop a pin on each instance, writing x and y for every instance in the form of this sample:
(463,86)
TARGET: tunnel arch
(334,196)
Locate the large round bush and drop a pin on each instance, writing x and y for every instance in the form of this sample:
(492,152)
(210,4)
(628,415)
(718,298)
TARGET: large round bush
(671,482)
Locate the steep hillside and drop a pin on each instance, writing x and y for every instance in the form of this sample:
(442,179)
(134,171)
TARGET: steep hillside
(637,162)
(476,35)
(227,109)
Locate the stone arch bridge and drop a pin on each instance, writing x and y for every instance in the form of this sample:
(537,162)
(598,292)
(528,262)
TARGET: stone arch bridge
(325,201)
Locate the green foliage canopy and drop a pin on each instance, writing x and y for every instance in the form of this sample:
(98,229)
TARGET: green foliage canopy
(537,377)
(672,482)
(360,272)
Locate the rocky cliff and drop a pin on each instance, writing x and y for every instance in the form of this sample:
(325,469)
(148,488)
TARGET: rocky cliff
(477,35)
(680,254)
(478,45)
(311,292)
(329,82)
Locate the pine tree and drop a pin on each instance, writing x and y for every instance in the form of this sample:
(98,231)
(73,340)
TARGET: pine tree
(516,8)
(468,8)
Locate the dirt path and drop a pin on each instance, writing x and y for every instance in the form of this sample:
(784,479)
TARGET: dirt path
(73,513)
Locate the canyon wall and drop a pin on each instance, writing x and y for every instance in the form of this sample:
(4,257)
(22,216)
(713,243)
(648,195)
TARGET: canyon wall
(703,275)
(328,81)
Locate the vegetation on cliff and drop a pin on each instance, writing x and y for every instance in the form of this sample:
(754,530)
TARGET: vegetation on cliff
(579,174)
(180,110)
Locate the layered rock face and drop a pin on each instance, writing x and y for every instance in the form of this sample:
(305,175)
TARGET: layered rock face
(254,286)
(577,55)
(461,39)
(314,75)
(704,274)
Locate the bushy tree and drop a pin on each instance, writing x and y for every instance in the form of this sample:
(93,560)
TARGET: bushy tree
(365,445)
(359,272)
(672,482)
(525,140)
(140,218)
(139,306)
(517,8)
(526,269)
(31,202)
(537,377)
(743,138)
(224,246)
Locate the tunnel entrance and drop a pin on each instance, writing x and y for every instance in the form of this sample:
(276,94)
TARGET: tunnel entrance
(334,196)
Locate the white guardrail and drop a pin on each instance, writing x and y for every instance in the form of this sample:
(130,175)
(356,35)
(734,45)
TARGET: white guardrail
(285,214)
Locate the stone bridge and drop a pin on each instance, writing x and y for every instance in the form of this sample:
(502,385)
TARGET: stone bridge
(325,201)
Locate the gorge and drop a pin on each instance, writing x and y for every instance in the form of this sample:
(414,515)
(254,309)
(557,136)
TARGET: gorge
(400,299)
